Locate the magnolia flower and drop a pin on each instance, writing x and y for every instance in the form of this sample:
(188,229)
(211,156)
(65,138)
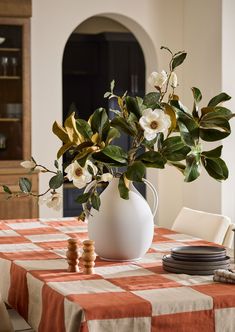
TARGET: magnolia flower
(157,80)
(80,175)
(154,122)
(53,201)
(29,164)
(173,80)
(106,177)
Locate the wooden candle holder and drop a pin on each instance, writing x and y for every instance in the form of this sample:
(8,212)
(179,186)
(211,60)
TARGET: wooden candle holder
(88,256)
(72,255)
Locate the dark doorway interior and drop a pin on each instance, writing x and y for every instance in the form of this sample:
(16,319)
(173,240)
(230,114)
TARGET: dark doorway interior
(90,63)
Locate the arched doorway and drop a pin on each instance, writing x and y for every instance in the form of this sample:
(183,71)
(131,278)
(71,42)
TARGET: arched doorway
(98,51)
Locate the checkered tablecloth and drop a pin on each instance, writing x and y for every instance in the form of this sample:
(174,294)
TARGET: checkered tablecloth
(134,296)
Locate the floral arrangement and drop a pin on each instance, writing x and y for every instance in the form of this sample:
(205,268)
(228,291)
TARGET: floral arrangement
(162,130)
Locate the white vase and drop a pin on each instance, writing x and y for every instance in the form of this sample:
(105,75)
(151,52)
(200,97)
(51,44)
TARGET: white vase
(122,229)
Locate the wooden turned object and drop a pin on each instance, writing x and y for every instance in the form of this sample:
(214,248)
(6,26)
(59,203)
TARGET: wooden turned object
(88,256)
(72,255)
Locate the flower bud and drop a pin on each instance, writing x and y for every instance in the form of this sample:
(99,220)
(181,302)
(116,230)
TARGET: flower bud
(29,164)
(173,80)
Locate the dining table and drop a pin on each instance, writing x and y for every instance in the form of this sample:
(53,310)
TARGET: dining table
(126,296)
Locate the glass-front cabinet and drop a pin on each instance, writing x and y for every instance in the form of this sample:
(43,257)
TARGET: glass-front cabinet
(15,106)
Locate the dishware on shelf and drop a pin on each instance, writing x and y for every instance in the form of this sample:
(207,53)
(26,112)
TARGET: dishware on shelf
(2,39)
(14,66)
(13,110)
(2,141)
(4,66)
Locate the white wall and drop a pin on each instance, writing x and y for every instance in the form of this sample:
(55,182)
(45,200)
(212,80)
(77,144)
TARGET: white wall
(228,85)
(180,24)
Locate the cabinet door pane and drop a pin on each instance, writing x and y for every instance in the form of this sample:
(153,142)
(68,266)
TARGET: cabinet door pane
(11,96)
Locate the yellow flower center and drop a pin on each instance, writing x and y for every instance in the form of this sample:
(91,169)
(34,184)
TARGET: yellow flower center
(154,125)
(78,172)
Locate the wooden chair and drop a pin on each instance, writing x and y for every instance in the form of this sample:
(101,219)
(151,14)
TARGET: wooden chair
(229,237)
(207,226)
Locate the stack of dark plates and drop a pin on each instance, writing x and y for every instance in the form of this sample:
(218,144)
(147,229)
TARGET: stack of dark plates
(197,260)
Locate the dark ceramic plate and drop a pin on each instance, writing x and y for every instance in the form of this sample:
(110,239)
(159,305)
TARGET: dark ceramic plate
(192,258)
(196,267)
(170,259)
(190,272)
(198,250)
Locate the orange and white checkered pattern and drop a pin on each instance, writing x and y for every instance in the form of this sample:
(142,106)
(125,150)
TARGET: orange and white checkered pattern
(134,296)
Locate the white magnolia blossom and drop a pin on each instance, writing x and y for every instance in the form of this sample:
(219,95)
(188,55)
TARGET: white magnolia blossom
(53,201)
(154,122)
(106,177)
(29,164)
(80,175)
(157,79)
(173,80)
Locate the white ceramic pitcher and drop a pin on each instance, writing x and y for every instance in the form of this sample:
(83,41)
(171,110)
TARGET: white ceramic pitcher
(122,229)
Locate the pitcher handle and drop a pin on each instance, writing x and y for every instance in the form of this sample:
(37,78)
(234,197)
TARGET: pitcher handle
(155,196)
(149,184)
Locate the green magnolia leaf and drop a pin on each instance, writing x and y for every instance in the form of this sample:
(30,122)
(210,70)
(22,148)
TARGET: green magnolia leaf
(151,100)
(122,125)
(217,111)
(84,128)
(197,98)
(177,155)
(102,158)
(116,153)
(215,153)
(25,185)
(56,164)
(216,168)
(206,110)
(172,144)
(123,190)
(178,60)
(178,106)
(136,171)
(90,170)
(189,130)
(214,127)
(133,106)
(219,99)
(56,181)
(212,135)
(191,171)
(152,159)
(95,201)
(174,149)
(100,122)
(111,135)
(196,95)
(224,112)
(150,144)
(188,126)
(7,189)
(139,101)
(82,198)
